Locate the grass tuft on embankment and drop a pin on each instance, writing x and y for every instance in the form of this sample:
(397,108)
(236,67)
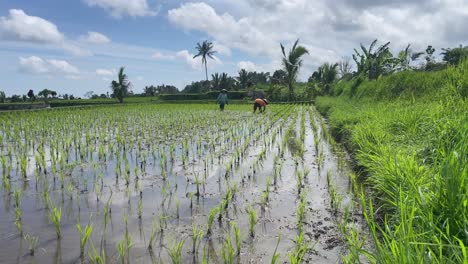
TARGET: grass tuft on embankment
(408,134)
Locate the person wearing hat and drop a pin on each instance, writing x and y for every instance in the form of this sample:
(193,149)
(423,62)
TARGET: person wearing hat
(222,99)
(261,104)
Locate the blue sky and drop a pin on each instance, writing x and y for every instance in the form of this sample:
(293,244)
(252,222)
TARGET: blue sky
(75,46)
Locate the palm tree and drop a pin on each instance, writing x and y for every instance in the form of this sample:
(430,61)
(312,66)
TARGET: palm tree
(215,81)
(121,87)
(291,63)
(205,50)
(325,75)
(243,78)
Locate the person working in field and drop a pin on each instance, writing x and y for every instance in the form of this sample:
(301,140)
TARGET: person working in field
(222,99)
(261,104)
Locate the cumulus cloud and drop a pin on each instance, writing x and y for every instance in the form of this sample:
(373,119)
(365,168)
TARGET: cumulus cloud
(330,29)
(161,56)
(37,65)
(121,8)
(21,27)
(95,38)
(105,72)
(18,26)
(221,48)
(249,66)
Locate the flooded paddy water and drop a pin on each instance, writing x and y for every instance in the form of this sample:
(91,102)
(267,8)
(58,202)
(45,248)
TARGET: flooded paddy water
(172,184)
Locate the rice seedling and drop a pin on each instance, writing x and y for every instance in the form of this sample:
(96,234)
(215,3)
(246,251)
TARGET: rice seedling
(205,257)
(214,211)
(301,248)
(122,249)
(198,182)
(177,205)
(175,252)
(95,257)
(329,175)
(56,217)
(32,243)
(154,229)
(252,220)
(18,213)
(197,235)
(275,257)
(140,208)
(301,212)
(227,251)
(237,234)
(84,236)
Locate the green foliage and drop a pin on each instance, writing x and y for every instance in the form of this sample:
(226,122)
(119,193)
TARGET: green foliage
(373,63)
(325,76)
(292,62)
(121,87)
(201,96)
(407,84)
(456,55)
(412,153)
(458,78)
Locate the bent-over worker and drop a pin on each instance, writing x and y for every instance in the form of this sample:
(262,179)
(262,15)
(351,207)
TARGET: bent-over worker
(261,104)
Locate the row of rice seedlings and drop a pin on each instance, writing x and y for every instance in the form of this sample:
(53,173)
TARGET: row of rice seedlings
(302,132)
(301,211)
(96,186)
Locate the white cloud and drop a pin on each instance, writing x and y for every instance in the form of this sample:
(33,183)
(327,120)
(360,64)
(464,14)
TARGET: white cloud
(105,72)
(19,26)
(75,50)
(221,49)
(161,56)
(37,65)
(330,29)
(95,38)
(33,64)
(195,63)
(121,8)
(249,66)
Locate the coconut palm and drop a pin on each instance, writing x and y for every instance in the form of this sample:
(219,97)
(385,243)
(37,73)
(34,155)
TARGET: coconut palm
(215,81)
(243,78)
(325,75)
(205,50)
(121,87)
(291,64)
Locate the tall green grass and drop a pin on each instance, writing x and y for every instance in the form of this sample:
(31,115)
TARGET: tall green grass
(411,147)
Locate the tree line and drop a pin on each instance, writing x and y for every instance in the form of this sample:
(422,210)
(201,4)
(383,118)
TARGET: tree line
(377,60)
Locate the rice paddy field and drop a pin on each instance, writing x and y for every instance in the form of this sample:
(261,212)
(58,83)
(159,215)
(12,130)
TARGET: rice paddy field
(156,183)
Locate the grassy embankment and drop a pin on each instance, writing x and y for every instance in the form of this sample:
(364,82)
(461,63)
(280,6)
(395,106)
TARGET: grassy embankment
(408,134)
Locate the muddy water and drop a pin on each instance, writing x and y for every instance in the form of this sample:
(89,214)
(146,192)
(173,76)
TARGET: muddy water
(159,198)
